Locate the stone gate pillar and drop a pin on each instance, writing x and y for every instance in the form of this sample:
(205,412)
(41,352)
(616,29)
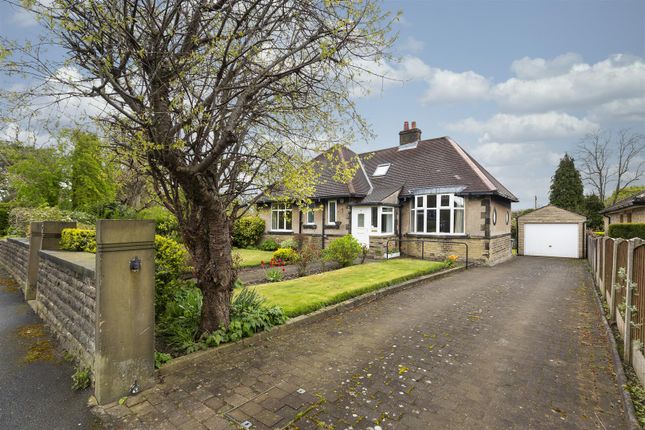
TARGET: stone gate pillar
(42,235)
(125,319)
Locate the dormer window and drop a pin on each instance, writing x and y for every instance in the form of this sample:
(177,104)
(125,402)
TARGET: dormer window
(381,169)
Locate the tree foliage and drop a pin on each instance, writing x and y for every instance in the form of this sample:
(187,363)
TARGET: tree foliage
(624,193)
(566,186)
(217,100)
(591,209)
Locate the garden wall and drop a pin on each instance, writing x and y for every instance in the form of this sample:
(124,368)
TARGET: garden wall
(14,254)
(66,300)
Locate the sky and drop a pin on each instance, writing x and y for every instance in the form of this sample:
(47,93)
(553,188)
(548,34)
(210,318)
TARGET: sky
(516,83)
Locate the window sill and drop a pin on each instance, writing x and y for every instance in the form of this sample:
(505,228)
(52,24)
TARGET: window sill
(280,231)
(437,234)
(333,226)
(309,226)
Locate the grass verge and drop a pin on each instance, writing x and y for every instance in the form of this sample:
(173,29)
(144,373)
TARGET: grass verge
(307,294)
(253,257)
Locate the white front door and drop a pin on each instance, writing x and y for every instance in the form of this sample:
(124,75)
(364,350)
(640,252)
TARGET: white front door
(361,224)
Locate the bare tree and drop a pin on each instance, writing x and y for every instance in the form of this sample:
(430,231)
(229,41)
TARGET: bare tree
(631,161)
(216,99)
(605,160)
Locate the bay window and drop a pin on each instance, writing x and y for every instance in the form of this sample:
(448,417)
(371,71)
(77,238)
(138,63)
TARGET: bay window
(437,214)
(280,217)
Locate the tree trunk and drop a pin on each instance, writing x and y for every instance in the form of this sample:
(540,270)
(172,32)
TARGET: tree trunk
(208,240)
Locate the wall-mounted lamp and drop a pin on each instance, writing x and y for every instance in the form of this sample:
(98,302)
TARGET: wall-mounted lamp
(135,264)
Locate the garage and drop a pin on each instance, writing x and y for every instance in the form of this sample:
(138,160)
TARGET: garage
(551,232)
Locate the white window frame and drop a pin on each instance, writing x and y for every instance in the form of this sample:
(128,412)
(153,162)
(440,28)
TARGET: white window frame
(437,209)
(282,207)
(381,169)
(329,221)
(310,210)
(376,230)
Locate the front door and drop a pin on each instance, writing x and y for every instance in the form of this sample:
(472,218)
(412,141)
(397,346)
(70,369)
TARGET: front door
(361,224)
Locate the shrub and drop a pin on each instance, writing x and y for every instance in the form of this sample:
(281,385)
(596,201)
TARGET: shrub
(20,217)
(308,254)
(179,322)
(289,243)
(4,218)
(274,274)
(269,245)
(343,250)
(288,255)
(114,210)
(77,239)
(166,223)
(627,230)
(249,315)
(171,262)
(247,231)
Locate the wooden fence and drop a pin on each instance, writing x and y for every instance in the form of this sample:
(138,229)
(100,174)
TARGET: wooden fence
(618,267)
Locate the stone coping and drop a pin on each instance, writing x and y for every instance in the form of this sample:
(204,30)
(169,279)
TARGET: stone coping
(196,357)
(23,241)
(81,262)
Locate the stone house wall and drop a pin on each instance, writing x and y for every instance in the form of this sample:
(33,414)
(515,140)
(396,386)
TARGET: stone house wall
(66,300)
(14,255)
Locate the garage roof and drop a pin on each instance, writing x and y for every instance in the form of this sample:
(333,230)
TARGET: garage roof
(551,214)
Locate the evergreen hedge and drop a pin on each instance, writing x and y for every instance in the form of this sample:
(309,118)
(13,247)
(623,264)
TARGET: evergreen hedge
(627,230)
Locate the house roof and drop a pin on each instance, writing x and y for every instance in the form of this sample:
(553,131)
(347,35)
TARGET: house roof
(553,214)
(424,167)
(636,199)
(432,164)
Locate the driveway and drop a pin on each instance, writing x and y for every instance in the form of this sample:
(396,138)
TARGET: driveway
(517,346)
(35,381)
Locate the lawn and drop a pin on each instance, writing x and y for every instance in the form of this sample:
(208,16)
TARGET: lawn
(253,257)
(307,294)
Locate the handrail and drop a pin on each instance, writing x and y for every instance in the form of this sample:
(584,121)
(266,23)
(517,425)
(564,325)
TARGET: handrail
(387,246)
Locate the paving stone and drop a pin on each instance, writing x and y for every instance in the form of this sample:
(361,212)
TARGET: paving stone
(518,346)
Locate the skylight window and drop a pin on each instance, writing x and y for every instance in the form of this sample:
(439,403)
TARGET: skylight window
(381,169)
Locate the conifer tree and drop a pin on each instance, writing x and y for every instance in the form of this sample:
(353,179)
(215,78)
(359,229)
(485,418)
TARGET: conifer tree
(566,186)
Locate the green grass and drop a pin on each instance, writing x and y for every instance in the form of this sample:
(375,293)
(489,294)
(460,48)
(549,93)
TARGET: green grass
(307,294)
(253,257)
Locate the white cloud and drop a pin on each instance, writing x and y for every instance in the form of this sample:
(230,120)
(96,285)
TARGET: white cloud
(525,128)
(412,44)
(582,86)
(445,86)
(632,109)
(536,68)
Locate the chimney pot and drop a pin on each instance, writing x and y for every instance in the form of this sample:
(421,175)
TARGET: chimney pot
(406,126)
(414,124)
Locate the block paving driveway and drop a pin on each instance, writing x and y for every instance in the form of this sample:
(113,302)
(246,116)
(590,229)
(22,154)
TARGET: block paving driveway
(517,346)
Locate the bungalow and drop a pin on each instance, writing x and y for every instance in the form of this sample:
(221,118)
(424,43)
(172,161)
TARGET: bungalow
(426,198)
(630,209)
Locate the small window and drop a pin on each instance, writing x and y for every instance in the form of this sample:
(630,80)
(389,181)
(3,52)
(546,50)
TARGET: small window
(311,216)
(381,169)
(387,220)
(331,212)
(507,217)
(375,217)
(361,220)
(494,216)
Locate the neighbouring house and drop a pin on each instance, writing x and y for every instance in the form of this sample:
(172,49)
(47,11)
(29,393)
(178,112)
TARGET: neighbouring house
(630,209)
(418,198)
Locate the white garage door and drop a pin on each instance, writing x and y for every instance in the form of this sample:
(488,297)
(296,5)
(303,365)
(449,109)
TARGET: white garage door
(551,240)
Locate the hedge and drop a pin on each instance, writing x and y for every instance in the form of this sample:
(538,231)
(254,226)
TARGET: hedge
(78,239)
(21,217)
(627,230)
(247,231)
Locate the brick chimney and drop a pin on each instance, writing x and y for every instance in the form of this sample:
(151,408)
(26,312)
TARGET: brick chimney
(409,135)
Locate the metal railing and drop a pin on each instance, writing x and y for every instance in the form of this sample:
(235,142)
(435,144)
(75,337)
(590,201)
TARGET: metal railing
(423,241)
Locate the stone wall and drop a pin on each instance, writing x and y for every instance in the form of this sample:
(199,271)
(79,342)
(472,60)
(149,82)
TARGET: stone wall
(14,254)
(66,300)
(441,248)
(500,249)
